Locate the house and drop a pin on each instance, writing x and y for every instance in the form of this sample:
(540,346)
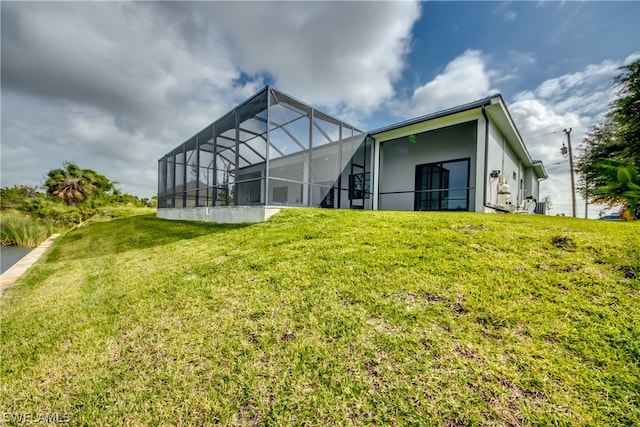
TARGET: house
(274,150)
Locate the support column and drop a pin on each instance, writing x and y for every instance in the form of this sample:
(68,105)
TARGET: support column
(184,175)
(338,184)
(376,174)
(214,166)
(197,169)
(308,164)
(306,200)
(267,145)
(237,161)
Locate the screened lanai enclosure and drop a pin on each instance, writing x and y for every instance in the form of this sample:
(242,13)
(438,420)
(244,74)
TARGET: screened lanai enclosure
(271,150)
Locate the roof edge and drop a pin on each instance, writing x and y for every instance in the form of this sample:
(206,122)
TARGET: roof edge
(538,166)
(438,114)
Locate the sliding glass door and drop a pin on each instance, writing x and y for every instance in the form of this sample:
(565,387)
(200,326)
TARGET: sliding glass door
(442,186)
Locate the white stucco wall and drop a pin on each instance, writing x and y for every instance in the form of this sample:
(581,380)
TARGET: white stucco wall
(531,184)
(220,214)
(502,157)
(399,158)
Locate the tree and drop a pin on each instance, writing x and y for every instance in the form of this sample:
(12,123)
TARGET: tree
(622,181)
(617,139)
(626,112)
(15,197)
(602,142)
(74,184)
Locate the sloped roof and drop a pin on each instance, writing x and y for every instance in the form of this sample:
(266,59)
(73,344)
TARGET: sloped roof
(496,109)
(438,114)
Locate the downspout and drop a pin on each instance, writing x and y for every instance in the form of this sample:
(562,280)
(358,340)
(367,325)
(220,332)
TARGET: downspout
(486,156)
(486,163)
(504,146)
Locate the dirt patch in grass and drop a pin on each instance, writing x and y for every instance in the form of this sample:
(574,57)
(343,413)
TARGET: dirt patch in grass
(563,242)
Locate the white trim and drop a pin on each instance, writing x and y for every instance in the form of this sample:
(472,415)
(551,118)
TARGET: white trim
(376,174)
(427,125)
(220,214)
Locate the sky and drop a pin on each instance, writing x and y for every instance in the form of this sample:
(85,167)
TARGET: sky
(113,86)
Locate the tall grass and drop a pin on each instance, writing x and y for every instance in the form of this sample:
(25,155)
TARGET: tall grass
(30,229)
(20,230)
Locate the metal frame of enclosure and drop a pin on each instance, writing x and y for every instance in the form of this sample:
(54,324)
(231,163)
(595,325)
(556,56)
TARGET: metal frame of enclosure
(271,150)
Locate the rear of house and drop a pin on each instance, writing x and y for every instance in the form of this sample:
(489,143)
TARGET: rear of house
(273,151)
(461,159)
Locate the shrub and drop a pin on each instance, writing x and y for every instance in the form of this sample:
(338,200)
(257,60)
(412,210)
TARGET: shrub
(17,229)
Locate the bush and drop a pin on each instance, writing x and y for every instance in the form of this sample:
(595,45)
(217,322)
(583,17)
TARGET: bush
(14,197)
(17,229)
(74,196)
(59,213)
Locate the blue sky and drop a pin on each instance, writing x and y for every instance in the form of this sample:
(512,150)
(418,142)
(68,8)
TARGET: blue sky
(563,37)
(114,85)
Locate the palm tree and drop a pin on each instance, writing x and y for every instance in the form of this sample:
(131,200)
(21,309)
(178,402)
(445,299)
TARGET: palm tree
(74,184)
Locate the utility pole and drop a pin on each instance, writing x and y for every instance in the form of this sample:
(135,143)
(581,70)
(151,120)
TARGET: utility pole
(573,187)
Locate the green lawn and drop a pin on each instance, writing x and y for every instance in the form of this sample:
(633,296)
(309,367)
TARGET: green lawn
(322,317)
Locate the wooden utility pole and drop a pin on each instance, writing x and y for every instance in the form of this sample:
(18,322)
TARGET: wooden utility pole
(573,187)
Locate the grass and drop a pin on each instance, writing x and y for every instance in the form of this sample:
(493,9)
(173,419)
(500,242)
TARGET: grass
(333,317)
(21,229)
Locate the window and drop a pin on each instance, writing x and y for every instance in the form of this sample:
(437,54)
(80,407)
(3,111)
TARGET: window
(359,186)
(442,186)
(280,194)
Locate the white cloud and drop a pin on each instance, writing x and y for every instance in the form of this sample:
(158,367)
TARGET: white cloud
(510,15)
(580,81)
(114,85)
(576,101)
(631,58)
(463,80)
(109,55)
(504,10)
(512,66)
(327,53)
